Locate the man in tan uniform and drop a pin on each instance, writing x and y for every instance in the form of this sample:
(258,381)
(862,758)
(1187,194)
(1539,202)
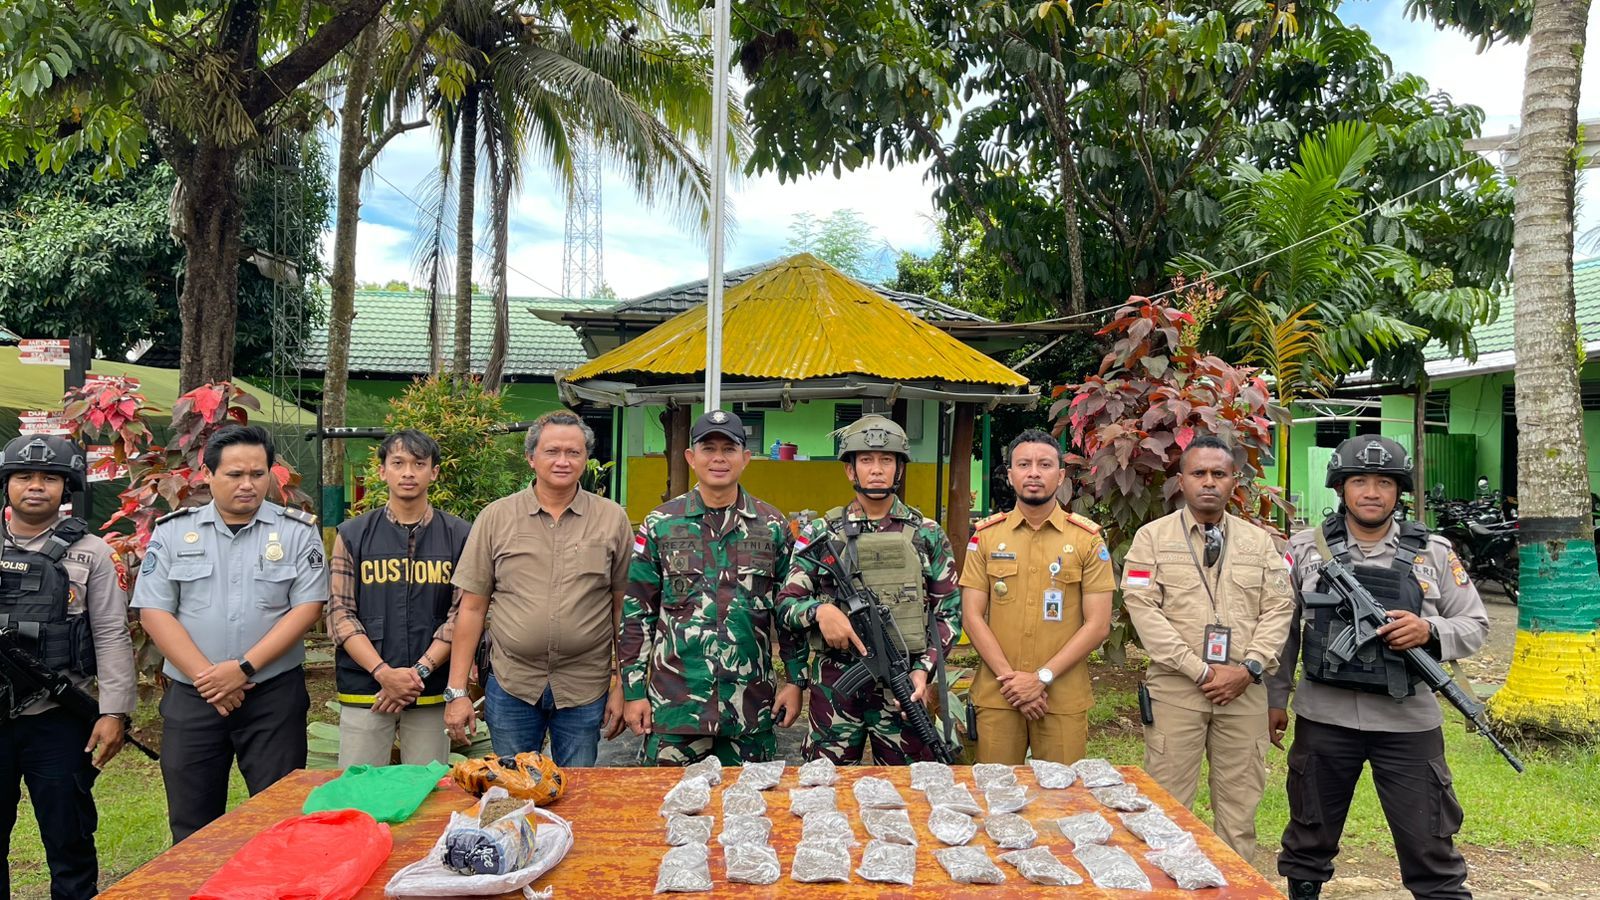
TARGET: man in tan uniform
(1036,600)
(1209,594)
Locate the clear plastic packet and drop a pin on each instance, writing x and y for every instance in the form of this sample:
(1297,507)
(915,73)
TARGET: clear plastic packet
(1125,797)
(1112,868)
(892,825)
(926,774)
(689,829)
(1185,864)
(889,863)
(689,797)
(762,776)
(952,826)
(745,830)
(1053,776)
(1085,829)
(1097,773)
(954,796)
(1010,831)
(751,864)
(708,770)
(833,826)
(988,775)
(810,800)
(1154,828)
(685,869)
(877,793)
(818,773)
(741,801)
(969,865)
(817,861)
(1040,866)
(1006,799)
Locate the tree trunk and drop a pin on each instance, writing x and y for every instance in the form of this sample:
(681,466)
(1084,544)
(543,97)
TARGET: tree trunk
(500,214)
(676,421)
(212,216)
(1419,446)
(1554,683)
(958,524)
(461,359)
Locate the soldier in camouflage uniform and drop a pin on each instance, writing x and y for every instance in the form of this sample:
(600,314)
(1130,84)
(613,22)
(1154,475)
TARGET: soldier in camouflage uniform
(695,648)
(906,559)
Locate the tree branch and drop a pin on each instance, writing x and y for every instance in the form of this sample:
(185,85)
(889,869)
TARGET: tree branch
(943,161)
(395,129)
(267,87)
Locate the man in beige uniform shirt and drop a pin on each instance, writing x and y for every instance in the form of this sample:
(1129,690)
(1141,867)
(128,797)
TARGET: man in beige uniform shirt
(1036,600)
(1209,595)
(548,566)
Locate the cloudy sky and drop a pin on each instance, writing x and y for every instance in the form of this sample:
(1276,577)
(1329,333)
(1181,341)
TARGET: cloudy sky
(645,250)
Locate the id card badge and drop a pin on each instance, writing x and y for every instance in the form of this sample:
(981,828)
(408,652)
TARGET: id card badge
(1052,605)
(1218,638)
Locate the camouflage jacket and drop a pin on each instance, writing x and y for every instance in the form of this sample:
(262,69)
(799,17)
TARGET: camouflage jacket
(805,588)
(697,620)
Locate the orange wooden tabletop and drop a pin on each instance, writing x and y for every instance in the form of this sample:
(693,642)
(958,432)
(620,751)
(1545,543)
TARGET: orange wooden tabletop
(619,840)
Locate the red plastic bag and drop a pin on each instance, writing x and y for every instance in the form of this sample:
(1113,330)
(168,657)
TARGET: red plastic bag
(323,856)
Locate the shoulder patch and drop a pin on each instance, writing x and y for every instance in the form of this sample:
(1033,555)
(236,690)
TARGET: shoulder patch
(187,510)
(1086,524)
(299,515)
(985,523)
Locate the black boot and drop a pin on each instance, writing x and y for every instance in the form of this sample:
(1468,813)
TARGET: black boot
(1304,890)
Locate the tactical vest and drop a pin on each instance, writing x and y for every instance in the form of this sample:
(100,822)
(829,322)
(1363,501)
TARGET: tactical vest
(889,567)
(403,597)
(1375,668)
(34,593)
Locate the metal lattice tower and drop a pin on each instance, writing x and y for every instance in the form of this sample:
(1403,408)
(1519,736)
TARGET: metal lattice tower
(583,258)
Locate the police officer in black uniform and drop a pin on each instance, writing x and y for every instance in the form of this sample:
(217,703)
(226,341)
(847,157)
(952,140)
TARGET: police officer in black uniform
(1369,709)
(59,590)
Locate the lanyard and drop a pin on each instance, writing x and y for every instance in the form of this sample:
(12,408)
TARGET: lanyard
(1205,580)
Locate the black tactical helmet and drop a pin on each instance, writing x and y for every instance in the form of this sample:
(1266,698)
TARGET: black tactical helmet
(45,453)
(1369,454)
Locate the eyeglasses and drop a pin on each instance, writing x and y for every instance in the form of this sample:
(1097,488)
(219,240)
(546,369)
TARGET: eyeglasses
(1214,539)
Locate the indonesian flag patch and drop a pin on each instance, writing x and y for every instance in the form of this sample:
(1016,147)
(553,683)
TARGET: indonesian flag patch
(1137,578)
(638,543)
(972,545)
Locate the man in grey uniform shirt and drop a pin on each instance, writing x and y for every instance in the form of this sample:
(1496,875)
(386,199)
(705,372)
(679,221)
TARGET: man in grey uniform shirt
(1370,709)
(227,591)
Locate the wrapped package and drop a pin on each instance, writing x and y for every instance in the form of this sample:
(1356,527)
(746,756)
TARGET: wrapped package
(1006,799)
(1097,773)
(762,776)
(685,869)
(818,861)
(496,848)
(745,830)
(1111,867)
(810,800)
(818,773)
(742,801)
(888,863)
(1154,828)
(988,775)
(1053,776)
(877,793)
(687,798)
(708,770)
(969,865)
(925,774)
(832,826)
(751,864)
(1085,829)
(952,827)
(1010,831)
(892,825)
(954,796)
(1185,864)
(1040,866)
(428,876)
(1125,797)
(689,829)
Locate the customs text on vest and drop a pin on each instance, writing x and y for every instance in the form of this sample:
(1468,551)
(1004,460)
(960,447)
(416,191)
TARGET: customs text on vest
(1375,668)
(35,591)
(891,569)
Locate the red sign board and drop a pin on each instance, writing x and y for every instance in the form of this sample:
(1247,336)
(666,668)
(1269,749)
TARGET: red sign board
(99,467)
(45,352)
(39,421)
(129,381)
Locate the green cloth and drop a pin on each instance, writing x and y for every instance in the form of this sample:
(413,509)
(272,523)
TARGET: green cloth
(387,793)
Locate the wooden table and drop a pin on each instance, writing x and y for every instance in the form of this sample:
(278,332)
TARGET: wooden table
(619,839)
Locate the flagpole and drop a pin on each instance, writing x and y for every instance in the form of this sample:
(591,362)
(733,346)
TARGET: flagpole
(720,40)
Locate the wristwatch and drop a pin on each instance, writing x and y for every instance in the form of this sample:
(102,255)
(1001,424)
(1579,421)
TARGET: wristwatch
(423,670)
(451,694)
(1255,669)
(245,667)
(1045,675)
(800,680)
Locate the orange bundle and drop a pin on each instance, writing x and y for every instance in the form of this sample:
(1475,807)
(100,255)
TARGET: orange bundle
(526,776)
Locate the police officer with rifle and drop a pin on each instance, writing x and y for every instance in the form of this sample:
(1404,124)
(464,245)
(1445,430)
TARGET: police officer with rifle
(64,616)
(1380,604)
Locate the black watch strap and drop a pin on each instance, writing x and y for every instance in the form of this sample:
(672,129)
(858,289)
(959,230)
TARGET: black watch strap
(245,667)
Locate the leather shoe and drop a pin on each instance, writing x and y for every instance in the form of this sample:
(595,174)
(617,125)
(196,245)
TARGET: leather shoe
(1304,890)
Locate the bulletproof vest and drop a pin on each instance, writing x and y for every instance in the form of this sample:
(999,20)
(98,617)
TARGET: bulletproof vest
(891,569)
(34,593)
(402,596)
(1375,668)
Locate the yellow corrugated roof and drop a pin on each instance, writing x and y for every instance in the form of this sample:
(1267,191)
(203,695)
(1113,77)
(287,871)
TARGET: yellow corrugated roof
(801,319)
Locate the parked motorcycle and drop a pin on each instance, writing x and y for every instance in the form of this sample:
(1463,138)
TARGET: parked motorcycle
(1483,532)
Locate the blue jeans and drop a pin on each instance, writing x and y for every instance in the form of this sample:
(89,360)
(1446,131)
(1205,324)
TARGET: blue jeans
(516,725)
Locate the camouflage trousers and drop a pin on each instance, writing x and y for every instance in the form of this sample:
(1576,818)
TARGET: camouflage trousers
(843,725)
(687,749)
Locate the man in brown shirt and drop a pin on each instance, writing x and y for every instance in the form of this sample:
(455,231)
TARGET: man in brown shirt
(548,566)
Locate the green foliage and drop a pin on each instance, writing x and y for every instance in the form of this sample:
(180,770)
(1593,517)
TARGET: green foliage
(842,239)
(476,467)
(1487,20)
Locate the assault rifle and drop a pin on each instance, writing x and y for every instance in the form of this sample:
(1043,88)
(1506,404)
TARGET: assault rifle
(27,681)
(1367,616)
(884,662)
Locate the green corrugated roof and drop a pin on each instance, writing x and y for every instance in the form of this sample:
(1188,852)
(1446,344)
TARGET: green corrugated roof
(1498,336)
(390,335)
